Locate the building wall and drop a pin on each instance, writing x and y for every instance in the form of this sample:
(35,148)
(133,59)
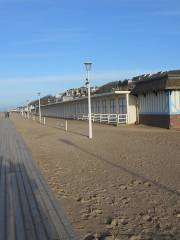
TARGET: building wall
(175,121)
(113,104)
(132,109)
(155,120)
(154,103)
(161,109)
(154,109)
(174,98)
(174,103)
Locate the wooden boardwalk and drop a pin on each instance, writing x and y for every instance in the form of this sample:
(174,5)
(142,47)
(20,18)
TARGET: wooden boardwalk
(28,209)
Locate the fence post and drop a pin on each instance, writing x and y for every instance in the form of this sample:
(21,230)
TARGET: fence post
(117,119)
(108,118)
(66,125)
(44,120)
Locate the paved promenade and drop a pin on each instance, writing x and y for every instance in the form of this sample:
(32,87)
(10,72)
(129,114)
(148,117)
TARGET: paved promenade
(28,209)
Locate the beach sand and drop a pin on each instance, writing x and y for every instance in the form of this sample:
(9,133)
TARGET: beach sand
(125,182)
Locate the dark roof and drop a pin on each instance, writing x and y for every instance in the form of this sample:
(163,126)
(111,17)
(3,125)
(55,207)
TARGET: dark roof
(116,85)
(44,100)
(169,80)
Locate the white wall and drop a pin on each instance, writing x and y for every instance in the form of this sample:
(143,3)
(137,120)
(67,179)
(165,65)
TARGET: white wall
(132,116)
(175,102)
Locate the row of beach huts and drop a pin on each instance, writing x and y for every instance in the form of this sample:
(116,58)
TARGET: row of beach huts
(151,99)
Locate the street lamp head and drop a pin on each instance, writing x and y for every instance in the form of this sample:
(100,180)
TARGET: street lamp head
(87,81)
(88,65)
(38,93)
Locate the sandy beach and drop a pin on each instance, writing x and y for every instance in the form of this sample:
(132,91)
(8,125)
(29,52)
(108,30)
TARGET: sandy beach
(122,184)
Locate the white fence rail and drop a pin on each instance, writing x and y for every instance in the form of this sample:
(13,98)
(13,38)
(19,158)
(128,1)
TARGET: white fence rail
(114,119)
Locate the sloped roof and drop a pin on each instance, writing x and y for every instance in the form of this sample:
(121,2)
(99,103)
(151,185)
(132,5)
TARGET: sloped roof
(116,85)
(44,100)
(157,82)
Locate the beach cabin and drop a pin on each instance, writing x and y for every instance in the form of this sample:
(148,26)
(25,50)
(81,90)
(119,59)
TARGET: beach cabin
(158,99)
(111,104)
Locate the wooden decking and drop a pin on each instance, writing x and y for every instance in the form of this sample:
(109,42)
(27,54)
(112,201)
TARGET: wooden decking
(28,209)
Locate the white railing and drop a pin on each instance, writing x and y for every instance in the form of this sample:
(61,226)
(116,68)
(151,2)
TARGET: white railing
(104,118)
(82,117)
(122,118)
(114,119)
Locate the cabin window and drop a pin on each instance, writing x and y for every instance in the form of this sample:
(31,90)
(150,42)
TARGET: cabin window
(97,106)
(82,108)
(86,108)
(112,106)
(122,105)
(92,107)
(104,106)
(77,108)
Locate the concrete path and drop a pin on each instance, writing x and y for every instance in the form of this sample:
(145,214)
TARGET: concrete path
(28,209)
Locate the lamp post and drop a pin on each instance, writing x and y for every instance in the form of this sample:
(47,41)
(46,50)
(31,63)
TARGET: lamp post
(39,95)
(88,69)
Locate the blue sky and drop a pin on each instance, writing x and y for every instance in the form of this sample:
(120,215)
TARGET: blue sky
(43,43)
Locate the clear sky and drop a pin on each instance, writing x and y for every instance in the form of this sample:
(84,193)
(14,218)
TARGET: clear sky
(43,43)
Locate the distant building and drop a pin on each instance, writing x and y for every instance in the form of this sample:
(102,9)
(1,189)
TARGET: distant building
(34,105)
(44,100)
(73,93)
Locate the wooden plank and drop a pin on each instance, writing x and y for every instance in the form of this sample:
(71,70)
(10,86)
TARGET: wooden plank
(26,215)
(28,209)
(37,222)
(2,197)
(42,210)
(62,227)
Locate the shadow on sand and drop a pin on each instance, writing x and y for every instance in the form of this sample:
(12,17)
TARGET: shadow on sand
(155,235)
(122,168)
